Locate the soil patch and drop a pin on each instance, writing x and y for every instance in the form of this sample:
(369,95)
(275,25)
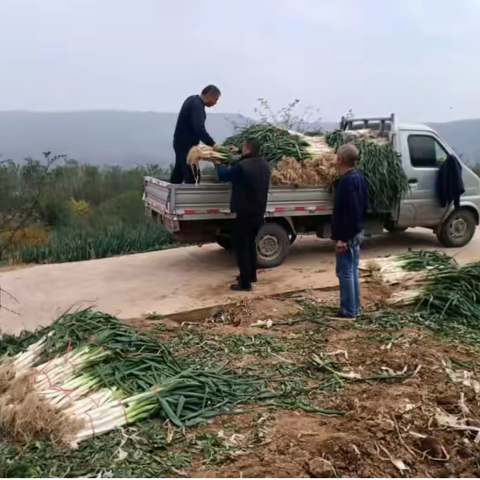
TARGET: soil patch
(392,383)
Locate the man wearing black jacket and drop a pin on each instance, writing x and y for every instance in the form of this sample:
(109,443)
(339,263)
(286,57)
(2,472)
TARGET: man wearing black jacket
(190,131)
(349,210)
(250,179)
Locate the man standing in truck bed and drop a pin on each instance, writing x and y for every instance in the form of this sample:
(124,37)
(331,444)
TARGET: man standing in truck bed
(190,131)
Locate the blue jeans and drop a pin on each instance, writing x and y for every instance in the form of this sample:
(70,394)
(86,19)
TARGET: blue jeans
(347,273)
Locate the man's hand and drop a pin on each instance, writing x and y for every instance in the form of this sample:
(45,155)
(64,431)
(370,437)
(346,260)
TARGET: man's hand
(216,147)
(341,246)
(234,149)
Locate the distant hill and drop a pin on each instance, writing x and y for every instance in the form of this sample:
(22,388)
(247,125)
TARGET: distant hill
(129,138)
(98,137)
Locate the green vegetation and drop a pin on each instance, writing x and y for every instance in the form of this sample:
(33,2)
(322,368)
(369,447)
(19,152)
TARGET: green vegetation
(436,284)
(416,261)
(58,210)
(105,361)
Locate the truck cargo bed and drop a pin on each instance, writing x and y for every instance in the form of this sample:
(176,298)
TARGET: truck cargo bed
(211,200)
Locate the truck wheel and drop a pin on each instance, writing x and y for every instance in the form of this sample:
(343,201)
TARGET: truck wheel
(392,228)
(458,229)
(225,241)
(272,245)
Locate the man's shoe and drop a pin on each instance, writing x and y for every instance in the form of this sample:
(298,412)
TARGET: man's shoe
(254,280)
(236,287)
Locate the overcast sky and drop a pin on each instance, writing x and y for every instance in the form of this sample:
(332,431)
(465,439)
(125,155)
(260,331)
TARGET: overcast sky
(417,58)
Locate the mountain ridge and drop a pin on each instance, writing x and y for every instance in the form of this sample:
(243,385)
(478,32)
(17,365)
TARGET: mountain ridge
(126,138)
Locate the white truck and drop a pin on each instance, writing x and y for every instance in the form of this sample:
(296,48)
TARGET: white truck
(201,213)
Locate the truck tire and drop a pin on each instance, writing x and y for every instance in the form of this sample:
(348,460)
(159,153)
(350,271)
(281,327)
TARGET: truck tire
(458,229)
(391,227)
(225,241)
(272,245)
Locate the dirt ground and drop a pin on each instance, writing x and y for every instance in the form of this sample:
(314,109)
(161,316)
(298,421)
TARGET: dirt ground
(384,427)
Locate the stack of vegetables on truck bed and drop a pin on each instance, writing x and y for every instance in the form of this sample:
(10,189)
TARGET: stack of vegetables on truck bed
(309,160)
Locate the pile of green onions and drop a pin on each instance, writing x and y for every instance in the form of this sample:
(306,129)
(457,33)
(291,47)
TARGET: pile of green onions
(96,372)
(433,282)
(276,143)
(411,267)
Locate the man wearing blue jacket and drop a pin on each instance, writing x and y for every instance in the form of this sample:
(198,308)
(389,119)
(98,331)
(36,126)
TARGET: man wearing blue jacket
(190,131)
(250,179)
(349,210)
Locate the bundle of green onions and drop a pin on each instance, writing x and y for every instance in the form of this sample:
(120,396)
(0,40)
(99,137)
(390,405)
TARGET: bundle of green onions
(431,281)
(88,374)
(276,142)
(381,166)
(203,152)
(412,266)
(418,260)
(452,292)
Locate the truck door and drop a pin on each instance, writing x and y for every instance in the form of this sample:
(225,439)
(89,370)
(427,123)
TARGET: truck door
(422,154)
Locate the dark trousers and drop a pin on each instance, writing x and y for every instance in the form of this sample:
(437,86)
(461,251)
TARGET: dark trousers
(182,172)
(245,231)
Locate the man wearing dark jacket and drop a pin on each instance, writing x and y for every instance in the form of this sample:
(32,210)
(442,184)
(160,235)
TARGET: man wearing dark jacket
(349,210)
(190,131)
(250,179)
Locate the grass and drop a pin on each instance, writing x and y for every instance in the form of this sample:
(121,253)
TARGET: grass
(74,244)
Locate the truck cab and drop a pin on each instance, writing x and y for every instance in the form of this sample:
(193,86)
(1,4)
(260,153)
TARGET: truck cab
(422,152)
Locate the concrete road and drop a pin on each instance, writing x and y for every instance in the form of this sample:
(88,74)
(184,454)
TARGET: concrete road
(177,280)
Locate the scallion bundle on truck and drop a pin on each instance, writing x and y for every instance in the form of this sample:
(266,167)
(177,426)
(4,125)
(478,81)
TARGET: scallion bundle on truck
(309,160)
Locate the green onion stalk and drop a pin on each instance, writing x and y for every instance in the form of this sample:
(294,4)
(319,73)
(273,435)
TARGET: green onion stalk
(448,292)
(69,392)
(23,361)
(117,413)
(93,401)
(412,266)
(276,143)
(64,369)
